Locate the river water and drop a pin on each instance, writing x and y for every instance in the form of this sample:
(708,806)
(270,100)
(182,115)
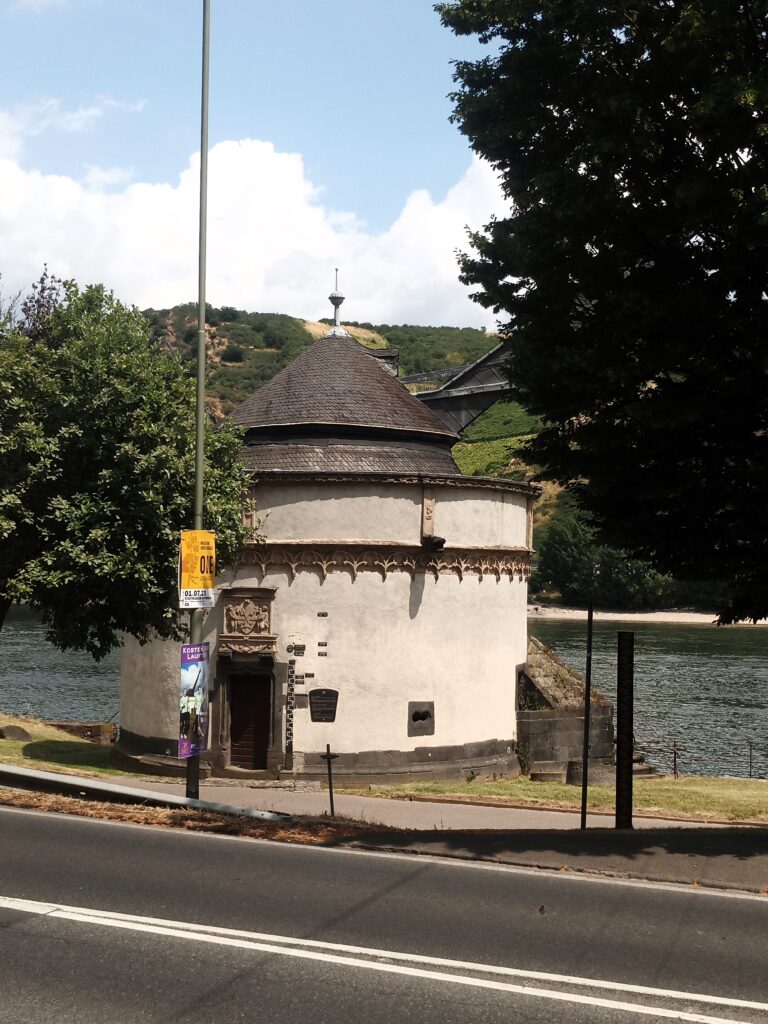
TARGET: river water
(702,687)
(37,679)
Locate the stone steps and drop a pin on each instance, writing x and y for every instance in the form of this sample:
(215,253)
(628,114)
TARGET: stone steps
(549,771)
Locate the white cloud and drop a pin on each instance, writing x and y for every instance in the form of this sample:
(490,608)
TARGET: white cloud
(98,178)
(272,245)
(49,114)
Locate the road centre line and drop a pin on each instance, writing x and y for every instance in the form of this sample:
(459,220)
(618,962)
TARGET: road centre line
(300,948)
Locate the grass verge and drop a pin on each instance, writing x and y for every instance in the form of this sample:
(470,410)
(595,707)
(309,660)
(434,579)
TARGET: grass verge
(698,798)
(53,750)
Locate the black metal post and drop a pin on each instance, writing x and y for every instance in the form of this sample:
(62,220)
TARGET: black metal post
(587,714)
(624,728)
(749,744)
(674,760)
(328,757)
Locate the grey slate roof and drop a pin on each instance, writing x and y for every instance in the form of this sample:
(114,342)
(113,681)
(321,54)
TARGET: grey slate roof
(335,383)
(395,460)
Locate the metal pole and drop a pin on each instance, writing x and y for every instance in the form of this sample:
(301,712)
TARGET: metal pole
(587,713)
(329,758)
(749,744)
(196,616)
(624,729)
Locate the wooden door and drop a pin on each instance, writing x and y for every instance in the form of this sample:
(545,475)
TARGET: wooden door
(249,709)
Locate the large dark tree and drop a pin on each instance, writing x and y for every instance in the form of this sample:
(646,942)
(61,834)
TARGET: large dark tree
(631,272)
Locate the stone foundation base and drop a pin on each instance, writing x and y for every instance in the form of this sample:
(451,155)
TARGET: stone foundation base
(483,759)
(152,755)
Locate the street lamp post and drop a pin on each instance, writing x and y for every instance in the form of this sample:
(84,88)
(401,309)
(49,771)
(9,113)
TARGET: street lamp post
(197,614)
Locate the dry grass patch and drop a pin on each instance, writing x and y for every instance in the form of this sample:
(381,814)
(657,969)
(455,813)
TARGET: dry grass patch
(546,504)
(371,339)
(307,831)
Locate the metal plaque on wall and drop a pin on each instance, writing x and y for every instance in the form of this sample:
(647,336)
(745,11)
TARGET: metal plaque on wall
(322,705)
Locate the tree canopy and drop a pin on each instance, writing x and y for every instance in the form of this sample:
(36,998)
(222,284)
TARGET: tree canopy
(97,478)
(630,272)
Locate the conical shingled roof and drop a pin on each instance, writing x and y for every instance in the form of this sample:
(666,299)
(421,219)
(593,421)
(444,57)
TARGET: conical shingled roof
(337,409)
(336,383)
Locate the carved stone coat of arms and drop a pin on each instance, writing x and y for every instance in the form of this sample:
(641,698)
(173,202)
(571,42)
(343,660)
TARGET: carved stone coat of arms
(247,623)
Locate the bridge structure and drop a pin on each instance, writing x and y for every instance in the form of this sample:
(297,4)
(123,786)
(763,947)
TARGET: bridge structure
(468,391)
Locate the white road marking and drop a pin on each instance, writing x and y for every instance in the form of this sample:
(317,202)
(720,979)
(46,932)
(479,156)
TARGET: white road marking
(310,949)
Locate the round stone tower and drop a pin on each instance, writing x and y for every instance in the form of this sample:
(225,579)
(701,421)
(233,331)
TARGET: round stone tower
(385,612)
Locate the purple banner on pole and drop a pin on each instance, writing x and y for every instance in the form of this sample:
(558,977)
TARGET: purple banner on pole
(193,700)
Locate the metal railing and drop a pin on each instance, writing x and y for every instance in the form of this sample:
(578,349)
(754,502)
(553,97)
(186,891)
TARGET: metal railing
(672,756)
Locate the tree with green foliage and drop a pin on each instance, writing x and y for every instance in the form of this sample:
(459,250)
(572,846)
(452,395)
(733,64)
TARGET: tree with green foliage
(632,143)
(97,470)
(574,563)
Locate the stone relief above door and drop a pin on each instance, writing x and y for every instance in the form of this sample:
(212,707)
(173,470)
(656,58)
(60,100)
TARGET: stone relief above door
(247,622)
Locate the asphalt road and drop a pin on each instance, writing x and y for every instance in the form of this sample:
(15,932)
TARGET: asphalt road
(106,922)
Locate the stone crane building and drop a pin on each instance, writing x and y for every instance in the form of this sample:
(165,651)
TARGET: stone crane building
(385,613)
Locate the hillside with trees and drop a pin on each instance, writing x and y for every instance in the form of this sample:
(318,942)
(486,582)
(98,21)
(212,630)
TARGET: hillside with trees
(247,349)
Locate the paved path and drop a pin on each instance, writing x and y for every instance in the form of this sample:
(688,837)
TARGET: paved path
(416,814)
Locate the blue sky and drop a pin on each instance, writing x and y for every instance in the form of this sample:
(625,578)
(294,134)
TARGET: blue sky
(330,144)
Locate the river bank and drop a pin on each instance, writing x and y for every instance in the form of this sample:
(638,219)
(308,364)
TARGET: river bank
(682,618)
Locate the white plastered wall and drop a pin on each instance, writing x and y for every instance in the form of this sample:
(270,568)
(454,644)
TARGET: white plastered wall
(389,641)
(333,513)
(469,517)
(390,514)
(149,689)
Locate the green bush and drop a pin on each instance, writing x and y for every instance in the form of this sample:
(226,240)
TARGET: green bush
(232,354)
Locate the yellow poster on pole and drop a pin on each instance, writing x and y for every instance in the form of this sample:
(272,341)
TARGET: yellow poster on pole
(197,569)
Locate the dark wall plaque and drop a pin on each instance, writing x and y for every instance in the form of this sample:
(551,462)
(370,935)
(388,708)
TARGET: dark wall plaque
(322,705)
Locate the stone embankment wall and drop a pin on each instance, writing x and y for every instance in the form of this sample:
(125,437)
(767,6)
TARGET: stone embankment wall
(550,717)
(558,735)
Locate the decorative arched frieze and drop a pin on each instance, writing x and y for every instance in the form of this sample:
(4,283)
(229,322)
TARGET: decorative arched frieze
(354,559)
